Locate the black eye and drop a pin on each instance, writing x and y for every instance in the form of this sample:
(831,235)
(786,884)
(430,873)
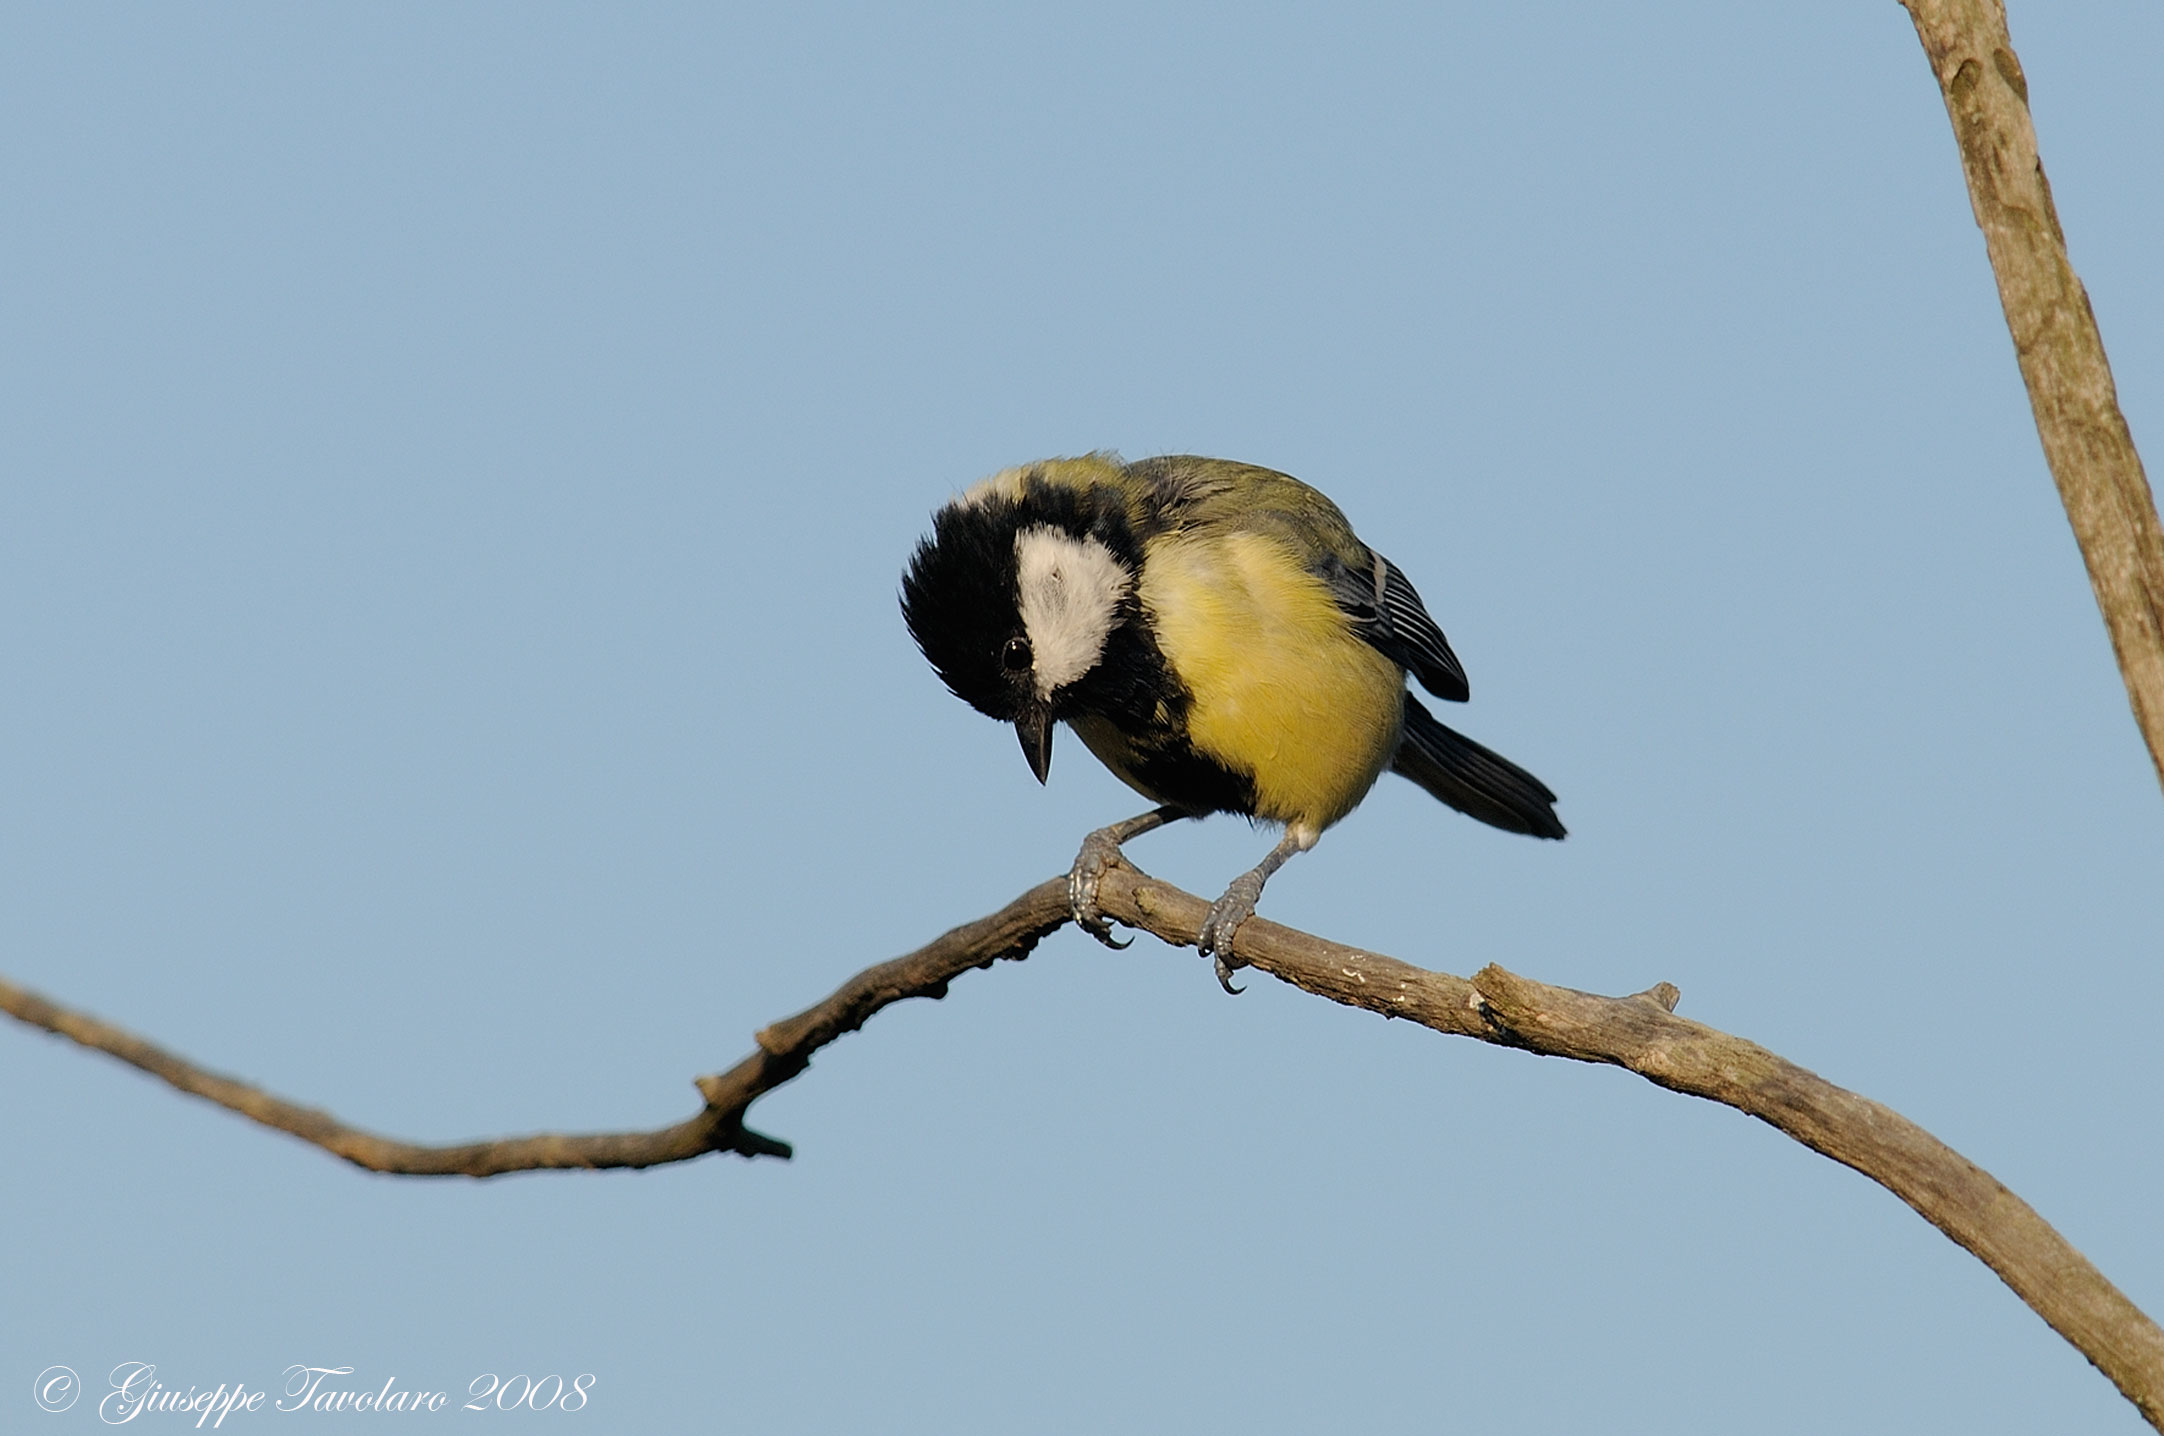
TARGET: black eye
(1015,656)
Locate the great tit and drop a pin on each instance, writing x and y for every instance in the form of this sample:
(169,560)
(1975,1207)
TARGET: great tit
(1218,636)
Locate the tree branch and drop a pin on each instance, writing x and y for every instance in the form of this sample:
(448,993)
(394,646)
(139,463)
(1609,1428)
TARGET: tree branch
(784,1050)
(2086,439)
(1639,1033)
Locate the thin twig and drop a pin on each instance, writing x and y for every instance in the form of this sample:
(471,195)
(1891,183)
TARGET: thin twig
(784,1050)
(1640,1033)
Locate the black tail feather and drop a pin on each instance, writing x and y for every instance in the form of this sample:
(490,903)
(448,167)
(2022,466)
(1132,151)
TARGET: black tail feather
(1471,779)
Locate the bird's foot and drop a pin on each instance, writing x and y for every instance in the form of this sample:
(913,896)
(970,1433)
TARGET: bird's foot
(1219,929)
(1100,850)
(1224,977)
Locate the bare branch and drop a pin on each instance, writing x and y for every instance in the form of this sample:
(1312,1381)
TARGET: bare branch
(1642,1034)
(2086,439)
(784,1050)
(1639,1033)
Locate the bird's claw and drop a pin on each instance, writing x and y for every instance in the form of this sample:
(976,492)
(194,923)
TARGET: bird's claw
(1100,850)
(1222,926)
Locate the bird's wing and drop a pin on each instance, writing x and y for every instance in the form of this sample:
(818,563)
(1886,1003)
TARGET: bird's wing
(1377,600)
(1387,613)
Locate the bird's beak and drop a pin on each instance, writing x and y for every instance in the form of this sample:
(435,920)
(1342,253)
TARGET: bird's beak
(1034,728)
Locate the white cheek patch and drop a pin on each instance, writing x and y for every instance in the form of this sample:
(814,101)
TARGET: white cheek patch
(1069,591)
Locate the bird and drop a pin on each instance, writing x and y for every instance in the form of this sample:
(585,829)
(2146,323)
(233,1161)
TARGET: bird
(1217,635)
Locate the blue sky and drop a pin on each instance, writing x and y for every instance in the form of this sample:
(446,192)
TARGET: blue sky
(459,465)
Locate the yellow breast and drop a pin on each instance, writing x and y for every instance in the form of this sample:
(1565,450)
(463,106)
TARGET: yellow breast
(1283,689)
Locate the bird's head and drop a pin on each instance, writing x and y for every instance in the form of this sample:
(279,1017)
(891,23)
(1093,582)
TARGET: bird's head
(1017,594)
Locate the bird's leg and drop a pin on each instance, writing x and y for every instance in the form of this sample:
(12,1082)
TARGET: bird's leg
(1238,905)
(1100,850)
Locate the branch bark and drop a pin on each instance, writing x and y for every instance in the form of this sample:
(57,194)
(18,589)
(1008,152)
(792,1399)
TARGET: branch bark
(2086,440)
(1640,1033)
(784,1050)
